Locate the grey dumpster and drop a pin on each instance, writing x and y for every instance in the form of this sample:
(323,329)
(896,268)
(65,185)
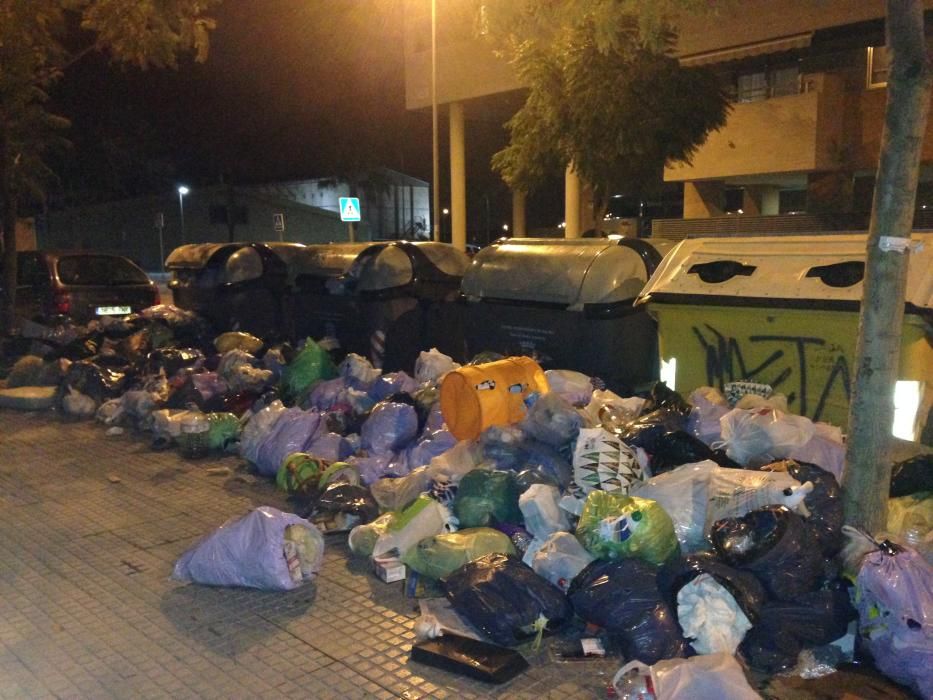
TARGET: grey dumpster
(235,286)
(386,301)
(568,303)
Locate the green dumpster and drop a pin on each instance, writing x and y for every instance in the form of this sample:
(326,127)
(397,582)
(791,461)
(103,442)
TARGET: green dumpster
(784,311)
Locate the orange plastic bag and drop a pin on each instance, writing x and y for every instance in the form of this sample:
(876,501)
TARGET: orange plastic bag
(476,397)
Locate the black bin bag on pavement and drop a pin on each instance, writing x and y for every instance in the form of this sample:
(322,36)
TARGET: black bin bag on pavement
(622,597)
(501,596)
(776,545)
(784,629)
(912,476)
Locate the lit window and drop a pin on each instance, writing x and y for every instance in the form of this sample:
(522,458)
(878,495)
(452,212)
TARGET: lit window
(878,65)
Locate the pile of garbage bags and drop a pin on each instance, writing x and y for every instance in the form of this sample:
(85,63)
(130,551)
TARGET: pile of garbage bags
(680,528)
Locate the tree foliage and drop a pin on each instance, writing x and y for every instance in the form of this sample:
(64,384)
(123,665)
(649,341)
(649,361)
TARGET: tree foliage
(39,40)
(605,93)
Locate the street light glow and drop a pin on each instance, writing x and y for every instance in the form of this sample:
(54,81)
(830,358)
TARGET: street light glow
(505,227)
(182,190)
(446,211)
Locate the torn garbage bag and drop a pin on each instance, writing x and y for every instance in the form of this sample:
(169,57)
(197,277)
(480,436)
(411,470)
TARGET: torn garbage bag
(776,545)
(439,556)
(622,597)
(506,599)
(251,551)
(613,526)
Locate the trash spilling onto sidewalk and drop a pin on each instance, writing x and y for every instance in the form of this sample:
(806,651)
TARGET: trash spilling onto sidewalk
(698,540)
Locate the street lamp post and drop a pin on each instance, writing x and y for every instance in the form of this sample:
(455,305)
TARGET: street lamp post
(182,191)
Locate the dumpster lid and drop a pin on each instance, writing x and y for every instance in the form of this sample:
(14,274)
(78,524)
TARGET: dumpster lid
(560,271)
(819,267)
(393,264)
(194,256)
(326,259)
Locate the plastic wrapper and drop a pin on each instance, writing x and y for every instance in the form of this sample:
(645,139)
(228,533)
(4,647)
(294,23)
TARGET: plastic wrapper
(439,556)
(486,497)
(895,608)
(431,365)
(783,629)
(912,475)
(248,551)
(602,461)
(505,599)
(257,428)
(623,597)
(710,676)
(237,340)
(362,538)
(553,421)
(823,503)
(293,431)
(613,526)
(311,365)
(776,545)
(574,387)
(390,427)
(560,558)
(679,447)
(422,519)
(756,437)
(541,511)
(398,493)
(223,432)
(683,493)
(509,448)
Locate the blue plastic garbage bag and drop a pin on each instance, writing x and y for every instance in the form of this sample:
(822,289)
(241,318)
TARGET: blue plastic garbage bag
(428,447)
(390,427)
(328,394)
(392,383)
(248,551)
(509,448)
(330,446)
(622,596)
(373,468)
(553,421)
(293,432)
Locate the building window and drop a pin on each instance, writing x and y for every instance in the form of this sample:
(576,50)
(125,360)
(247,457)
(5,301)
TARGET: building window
(792,201)
(734,198)
(217,213)
(878,65)
(764,83)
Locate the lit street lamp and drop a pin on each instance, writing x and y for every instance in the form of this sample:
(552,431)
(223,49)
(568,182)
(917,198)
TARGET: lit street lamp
(182,191)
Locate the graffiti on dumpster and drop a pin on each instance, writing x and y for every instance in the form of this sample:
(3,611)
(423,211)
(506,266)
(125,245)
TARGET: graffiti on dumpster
(788,358)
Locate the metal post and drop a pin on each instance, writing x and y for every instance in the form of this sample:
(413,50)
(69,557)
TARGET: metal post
(457,177)
(435,185)
(181,210)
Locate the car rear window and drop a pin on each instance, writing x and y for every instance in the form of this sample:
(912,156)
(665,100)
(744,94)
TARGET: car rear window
(101,270)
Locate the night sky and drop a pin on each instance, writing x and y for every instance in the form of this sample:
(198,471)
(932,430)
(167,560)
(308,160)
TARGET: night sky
(292,89)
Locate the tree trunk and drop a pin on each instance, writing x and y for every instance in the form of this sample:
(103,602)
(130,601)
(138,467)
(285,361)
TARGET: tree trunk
(871,412)
(8,225)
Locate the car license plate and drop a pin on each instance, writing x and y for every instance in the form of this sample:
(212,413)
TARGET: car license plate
(113,310)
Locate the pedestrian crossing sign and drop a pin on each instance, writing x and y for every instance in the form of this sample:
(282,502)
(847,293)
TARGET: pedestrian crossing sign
(349,208)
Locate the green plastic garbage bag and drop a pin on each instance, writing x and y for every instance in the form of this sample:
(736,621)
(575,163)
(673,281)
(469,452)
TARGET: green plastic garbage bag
(438,556)
(311,365)
(485,497)
(613,526)
(300,472)
(223,431)
(362,539)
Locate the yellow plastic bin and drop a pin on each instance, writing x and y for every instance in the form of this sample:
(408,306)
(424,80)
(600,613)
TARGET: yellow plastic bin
(784,311)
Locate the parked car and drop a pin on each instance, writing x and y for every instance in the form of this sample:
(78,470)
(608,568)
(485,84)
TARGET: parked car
(81,284)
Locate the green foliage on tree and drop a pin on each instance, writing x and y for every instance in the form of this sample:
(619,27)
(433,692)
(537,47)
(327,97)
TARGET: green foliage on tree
(605,93)
(39,40)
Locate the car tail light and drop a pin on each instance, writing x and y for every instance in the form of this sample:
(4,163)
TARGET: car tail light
(61,302)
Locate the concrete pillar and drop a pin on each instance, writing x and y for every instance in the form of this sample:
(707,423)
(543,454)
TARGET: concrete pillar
(703,199)
(751,200)
(457,177)
(571,203)
(518,214)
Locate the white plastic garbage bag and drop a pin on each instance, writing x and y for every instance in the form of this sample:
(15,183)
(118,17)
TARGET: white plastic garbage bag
(255,431)
(432,365)
(560,558)
(573,387)
(400,492)
(424,518)
(710,676)
(710,616)
(543,516)
(251,551)
(756,437)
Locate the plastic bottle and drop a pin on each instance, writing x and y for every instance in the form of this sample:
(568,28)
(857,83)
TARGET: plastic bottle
(194,438)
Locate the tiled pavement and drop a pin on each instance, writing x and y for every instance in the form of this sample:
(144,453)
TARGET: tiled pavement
(90,527)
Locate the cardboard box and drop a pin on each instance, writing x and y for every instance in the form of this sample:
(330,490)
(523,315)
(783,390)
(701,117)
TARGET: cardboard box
(389,569)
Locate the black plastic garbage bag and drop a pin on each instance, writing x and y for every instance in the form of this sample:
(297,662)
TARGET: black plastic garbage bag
(912,475)
(783,629)
(123,327)
(744,586)
(172,359)
(187,394)
(504,598)
(341,497)
(95,380)
(662,396)
(622,596)
(679,447)
(824,502)
(776,545)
